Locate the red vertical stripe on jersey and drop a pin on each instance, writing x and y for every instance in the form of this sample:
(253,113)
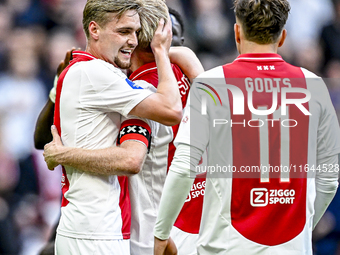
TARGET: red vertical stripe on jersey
(125,206)
(64,181)
(81,56)
(252,213)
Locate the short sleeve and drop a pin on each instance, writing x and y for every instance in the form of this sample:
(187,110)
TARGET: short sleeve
(108,89)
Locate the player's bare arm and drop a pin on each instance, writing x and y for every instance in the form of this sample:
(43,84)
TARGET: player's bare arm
(42,134)
(127,159)
(165,105)
(187,61)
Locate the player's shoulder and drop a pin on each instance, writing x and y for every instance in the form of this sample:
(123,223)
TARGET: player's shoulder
(98,68)
(210,76)
(216,72)
(145,85)
(176,68)
(309,74)
(305,72)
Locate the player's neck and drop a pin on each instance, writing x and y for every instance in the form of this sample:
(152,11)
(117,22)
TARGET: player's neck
(140,58)
(251,47)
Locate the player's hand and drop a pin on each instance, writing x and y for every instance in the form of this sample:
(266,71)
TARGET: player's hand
(171,248)
(64,63)
(164,247)
(163,36)
(52,149)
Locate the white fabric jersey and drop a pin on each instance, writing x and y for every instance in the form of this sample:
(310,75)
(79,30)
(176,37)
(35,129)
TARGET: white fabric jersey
(260,190)
(145,188)
(185,242)
(72,246)
(92,95)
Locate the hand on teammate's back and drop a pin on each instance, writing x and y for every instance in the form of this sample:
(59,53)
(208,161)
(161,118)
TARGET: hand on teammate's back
(64,63)
(52,149)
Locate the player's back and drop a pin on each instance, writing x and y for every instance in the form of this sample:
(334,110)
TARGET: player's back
(146,187)
(262,149)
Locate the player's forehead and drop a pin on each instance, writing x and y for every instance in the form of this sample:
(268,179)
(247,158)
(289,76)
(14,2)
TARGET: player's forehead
(127,20)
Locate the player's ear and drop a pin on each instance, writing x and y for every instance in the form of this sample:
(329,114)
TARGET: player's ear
(237,32)
(94,30)
(283,37)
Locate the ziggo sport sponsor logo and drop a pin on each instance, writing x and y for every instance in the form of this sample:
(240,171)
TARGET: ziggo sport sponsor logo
(197,190)
(260,197)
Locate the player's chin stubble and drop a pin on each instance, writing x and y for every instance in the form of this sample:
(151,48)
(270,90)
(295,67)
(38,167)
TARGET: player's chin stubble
(122,65)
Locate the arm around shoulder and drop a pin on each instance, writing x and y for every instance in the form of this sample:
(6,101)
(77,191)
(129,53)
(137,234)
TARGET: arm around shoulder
(187,61)
(164,106)
(42,132)
(127,159)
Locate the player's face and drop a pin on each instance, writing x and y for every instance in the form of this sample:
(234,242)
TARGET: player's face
(177,38)
(118,39)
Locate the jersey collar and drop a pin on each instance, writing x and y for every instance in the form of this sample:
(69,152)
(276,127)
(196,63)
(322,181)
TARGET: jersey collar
(249,57)
(142,70)
(81,56)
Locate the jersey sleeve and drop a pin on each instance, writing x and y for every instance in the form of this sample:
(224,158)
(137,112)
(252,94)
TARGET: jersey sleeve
(194,127)
(328,131)
(109,90)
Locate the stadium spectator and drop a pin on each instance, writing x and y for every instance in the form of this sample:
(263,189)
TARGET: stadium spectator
(330,38)
(9,176)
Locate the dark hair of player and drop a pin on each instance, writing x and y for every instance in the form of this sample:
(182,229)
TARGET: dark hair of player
(178,17)
(262,20)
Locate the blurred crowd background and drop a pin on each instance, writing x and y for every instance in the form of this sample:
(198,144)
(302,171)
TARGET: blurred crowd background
(34,36)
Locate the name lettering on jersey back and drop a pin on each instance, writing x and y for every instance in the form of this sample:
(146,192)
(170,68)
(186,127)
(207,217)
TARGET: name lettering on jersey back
(260,197)
(266,84)
(183,85)
(63,181)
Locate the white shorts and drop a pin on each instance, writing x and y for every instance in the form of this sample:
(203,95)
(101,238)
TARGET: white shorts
(186,243)
(74,246)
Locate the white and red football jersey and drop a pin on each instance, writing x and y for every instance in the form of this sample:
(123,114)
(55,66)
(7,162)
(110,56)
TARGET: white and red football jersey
(146,187)
(263,150)
(194,202)
(92,95)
